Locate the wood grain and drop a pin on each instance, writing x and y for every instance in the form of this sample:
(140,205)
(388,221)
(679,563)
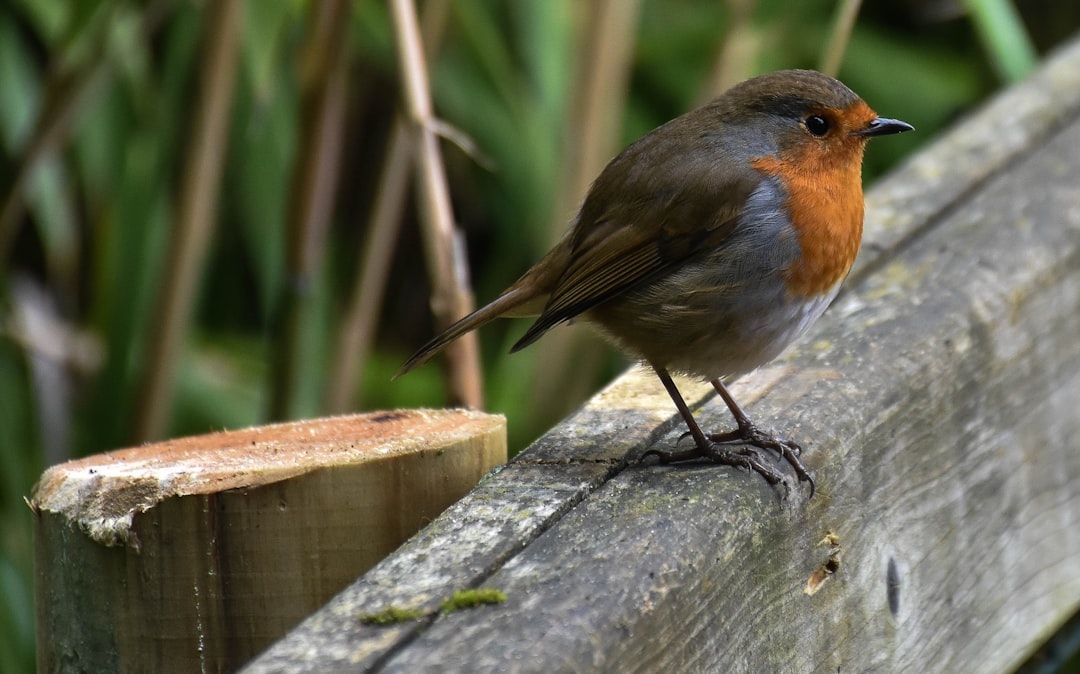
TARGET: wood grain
(195,554)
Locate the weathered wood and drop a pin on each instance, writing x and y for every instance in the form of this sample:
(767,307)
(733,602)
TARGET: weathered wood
(937,402)
(195,554)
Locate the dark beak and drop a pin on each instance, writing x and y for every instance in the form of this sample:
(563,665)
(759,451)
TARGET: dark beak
(883,126)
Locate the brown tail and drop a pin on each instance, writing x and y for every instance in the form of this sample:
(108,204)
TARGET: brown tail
(504,304)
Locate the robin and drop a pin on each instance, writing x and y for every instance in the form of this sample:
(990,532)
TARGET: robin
(710,244)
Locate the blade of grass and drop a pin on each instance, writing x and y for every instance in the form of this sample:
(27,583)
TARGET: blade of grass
(357,330)
(734,59)
(194,216)
(67,89)
(314,183)
(567,362)
(1004,38)
(601,82)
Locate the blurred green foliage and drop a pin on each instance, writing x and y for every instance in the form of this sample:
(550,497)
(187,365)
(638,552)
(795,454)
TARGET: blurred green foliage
(81,265)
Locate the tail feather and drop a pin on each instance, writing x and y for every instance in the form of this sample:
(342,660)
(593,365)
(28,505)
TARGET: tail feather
(503,305)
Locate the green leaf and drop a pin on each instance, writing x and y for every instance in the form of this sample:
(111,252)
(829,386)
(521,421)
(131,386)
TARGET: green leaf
(1004,38)
(20,87)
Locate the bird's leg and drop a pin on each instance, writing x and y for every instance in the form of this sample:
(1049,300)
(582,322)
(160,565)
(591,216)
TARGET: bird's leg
(749,433)
(745,457)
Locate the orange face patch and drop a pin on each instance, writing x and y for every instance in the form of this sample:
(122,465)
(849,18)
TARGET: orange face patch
(823,181)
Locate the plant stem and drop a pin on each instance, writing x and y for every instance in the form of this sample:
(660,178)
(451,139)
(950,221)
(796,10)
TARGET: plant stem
(451,297)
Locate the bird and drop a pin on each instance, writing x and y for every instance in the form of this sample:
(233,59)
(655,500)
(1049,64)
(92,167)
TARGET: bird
(709,245)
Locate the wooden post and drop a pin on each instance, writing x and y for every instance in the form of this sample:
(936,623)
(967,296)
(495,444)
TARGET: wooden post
(194,554)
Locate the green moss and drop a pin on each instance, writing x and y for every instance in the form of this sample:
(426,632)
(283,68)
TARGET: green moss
(392,615)
(473,598)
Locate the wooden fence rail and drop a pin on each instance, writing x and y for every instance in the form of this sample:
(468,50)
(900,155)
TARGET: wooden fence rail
(938,402)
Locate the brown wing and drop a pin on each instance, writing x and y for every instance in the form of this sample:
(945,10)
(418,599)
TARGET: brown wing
(636,226)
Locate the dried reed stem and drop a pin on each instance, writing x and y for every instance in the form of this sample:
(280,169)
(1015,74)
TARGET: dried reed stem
(843,25)
(451,297)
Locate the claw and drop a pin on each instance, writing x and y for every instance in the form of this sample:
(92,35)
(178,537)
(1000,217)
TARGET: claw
(788,450)
(745,456)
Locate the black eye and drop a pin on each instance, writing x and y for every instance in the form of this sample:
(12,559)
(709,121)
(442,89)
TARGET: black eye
(817,125)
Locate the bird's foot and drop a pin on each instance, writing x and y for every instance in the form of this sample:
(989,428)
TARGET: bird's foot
(788,450)
(747,457)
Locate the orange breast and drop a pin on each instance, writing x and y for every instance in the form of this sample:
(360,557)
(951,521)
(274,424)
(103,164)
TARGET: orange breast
(825,204)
